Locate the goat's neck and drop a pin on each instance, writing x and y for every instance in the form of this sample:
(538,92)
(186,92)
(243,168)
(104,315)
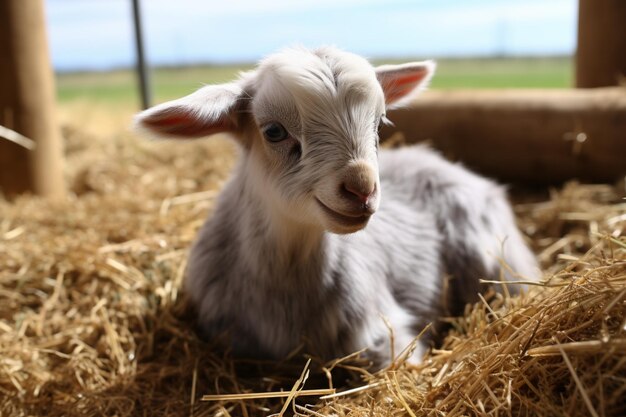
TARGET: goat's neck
(272,233)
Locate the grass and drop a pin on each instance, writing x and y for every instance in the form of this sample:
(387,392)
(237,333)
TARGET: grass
(554,72)
(119,86)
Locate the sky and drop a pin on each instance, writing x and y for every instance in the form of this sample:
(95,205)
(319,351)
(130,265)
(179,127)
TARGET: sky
(98,34)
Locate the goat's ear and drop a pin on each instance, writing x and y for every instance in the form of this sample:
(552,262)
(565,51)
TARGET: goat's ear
(401,82)
(209,110)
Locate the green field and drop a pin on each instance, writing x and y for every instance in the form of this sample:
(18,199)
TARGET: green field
(116,87)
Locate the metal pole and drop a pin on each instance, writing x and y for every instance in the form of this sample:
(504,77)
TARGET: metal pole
(142,70)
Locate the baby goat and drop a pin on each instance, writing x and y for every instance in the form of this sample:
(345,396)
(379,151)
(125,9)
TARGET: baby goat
(321,238)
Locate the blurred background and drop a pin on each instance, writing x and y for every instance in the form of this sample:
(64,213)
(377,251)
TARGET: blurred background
(478,43)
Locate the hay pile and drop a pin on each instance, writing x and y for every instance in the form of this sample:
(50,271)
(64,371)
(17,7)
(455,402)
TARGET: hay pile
(92,321)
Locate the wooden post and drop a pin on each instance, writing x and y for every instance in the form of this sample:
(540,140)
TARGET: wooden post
(601,55)
(27,103)
(526,136)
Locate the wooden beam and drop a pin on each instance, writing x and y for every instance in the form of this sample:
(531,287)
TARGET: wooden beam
(27,103)
(541,136)
(601,55)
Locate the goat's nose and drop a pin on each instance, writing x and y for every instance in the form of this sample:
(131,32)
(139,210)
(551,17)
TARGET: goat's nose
(363,195)
(359,182)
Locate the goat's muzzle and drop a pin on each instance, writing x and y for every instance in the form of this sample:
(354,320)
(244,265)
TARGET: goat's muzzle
(354,219)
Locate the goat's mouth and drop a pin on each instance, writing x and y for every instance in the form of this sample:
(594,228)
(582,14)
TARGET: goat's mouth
(353,221)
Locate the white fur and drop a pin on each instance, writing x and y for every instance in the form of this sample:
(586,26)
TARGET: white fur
(274,267)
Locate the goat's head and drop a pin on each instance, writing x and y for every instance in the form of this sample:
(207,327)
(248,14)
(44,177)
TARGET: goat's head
(308,121)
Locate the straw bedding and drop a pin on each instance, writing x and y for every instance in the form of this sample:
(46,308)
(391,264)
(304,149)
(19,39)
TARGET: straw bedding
(93,321)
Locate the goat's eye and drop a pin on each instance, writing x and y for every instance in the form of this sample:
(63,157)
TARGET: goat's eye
(275,132)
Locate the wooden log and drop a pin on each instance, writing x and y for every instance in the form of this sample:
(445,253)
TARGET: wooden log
(601,55)
(524,136)
(27,103)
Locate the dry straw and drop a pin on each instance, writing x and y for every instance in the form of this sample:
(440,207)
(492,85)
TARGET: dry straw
(93,322)
(13,136)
